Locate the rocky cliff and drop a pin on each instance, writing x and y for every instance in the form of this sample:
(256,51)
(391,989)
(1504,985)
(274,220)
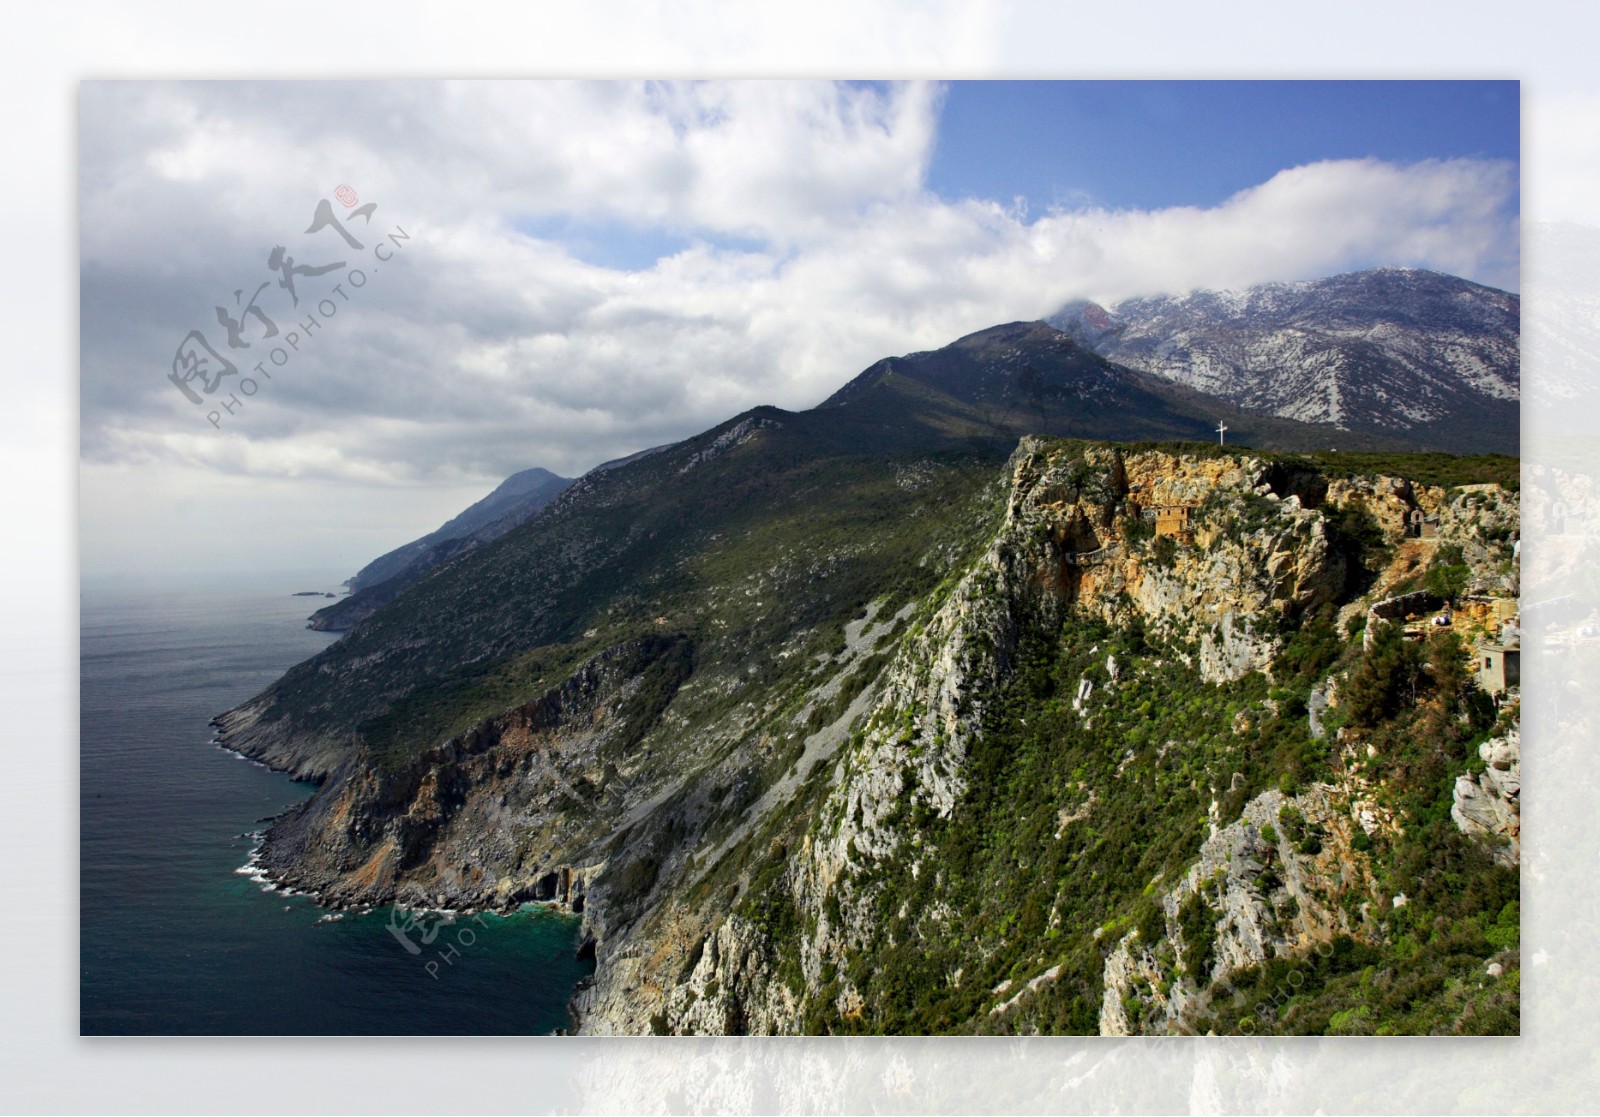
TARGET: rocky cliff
(831,899)
(1489,802)
(482,820)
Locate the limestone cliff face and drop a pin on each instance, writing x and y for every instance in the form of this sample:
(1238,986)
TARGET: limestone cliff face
(731,989)
(1251,557)
(1254,557)
(1288,874)
(1482,520)
(1072,541)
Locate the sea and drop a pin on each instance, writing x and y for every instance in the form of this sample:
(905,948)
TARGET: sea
(178,936)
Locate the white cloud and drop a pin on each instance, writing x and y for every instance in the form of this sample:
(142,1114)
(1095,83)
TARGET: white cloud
(802,246)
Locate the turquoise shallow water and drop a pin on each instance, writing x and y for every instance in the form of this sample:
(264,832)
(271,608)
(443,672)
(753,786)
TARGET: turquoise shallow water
(173,938)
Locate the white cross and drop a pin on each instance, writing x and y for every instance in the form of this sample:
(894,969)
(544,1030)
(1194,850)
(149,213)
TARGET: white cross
(1221,427)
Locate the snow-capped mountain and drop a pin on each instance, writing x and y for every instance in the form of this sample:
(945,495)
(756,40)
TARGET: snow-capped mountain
(1390,350)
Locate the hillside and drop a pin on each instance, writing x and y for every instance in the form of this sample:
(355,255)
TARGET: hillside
(867,718)
(1087,792)
(517,497)
(512,502)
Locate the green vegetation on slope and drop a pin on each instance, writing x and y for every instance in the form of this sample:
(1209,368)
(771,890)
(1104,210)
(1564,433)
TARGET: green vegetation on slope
(785,535)
(1443,470)
(1075,821)
(1027,885)
(1071,826)
(1449,908)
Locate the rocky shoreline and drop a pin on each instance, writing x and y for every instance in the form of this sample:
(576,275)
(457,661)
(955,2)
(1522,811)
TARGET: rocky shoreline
(286,854)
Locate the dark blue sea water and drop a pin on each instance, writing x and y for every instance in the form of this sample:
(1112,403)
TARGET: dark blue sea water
(174,940)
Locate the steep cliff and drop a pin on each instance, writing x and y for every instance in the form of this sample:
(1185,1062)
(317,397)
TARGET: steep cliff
(1489,802)
(1087,792)
(1119,738)
(481,821)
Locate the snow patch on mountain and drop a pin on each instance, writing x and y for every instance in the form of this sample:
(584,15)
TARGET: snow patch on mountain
(1390,350)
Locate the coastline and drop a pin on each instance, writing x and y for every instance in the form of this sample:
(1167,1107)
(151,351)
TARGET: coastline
(282,880)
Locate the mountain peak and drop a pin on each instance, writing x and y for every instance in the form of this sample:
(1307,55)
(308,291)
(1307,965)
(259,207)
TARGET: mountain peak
(525,481)
(1087,323)
(1008,333)
(995,385)
(1390,350)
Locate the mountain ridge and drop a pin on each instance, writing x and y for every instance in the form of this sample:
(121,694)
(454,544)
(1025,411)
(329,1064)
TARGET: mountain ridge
(1398,351)
(506,498)
(513,501)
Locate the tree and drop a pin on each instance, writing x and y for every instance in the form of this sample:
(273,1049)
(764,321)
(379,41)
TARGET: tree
(1447,663)
(1447,574)
(1386,677)
(1166,549)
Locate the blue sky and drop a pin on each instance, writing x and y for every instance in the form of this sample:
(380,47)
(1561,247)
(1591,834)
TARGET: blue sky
(1154,144)
(1133,145)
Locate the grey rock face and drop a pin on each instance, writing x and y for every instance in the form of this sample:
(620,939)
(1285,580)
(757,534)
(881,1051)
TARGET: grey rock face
(1489,803)
(1265,898)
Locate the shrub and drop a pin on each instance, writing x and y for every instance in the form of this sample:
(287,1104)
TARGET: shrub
(1152,924)
(1199,925)
(1447,575)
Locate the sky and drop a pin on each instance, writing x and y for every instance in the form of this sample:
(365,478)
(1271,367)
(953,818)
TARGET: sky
(557,274)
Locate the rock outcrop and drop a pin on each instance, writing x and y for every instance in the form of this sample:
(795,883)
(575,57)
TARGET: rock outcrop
(1488,802)
(491,818)
(1274,883)
(1250,558)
